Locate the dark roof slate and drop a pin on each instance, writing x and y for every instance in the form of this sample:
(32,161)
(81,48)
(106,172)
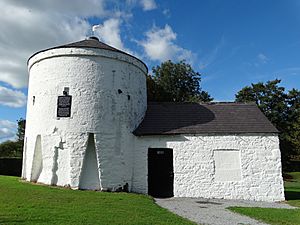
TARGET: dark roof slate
(192,118)
(91,42)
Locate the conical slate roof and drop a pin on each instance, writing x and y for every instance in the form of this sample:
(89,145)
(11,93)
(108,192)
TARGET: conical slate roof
(91,42)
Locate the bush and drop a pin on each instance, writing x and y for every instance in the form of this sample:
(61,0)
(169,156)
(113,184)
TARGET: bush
(11,149)
(11,166)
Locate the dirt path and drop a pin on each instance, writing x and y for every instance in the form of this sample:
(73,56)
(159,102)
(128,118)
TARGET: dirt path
(213,211)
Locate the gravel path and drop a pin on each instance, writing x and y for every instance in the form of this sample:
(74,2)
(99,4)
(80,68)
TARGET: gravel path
(213,211)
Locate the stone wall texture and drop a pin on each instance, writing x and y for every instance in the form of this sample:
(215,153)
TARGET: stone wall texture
(195,171)
(95,149)
(109,100)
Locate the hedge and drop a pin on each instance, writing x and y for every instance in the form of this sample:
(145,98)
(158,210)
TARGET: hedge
(11,166)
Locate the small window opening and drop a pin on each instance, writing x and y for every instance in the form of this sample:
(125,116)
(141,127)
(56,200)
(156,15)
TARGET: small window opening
(66,91)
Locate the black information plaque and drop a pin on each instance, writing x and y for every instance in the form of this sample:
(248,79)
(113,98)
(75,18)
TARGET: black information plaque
(64,106)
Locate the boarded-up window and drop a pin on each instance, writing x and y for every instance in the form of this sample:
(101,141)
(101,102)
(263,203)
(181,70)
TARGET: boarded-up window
(227,165)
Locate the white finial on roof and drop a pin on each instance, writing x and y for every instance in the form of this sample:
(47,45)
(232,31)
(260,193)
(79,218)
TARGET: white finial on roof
(92,32)
(95,27)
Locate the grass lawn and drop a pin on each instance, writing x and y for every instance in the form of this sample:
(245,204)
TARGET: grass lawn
(279,216)
(25,203)
(292,189)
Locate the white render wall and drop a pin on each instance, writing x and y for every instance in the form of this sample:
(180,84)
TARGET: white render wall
(194,165)
(95,147)
(55,148)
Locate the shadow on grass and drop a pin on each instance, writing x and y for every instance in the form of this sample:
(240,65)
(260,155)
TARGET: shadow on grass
(15,221)
(292,195)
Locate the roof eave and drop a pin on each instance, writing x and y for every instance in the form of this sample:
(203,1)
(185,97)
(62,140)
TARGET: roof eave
(199,133)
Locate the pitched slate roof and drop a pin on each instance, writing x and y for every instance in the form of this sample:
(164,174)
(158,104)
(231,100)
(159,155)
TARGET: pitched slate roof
(192,118)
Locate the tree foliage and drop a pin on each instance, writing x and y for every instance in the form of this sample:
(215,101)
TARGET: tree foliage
(11,149)
(21,129)
(175,82)
(281,108)
(14,149)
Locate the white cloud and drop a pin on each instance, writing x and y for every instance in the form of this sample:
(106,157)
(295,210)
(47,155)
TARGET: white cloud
(159,45)
(148,5)
(109,32)
(167,13)
(8,124)
(75,8)
(212,56)
(29,26)
(7,130)
(12,98)
(262,58)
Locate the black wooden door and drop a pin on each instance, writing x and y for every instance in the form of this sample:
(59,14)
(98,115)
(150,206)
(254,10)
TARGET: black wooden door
(160,172)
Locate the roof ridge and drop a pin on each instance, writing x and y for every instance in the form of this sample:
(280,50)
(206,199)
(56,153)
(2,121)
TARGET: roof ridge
(202,103)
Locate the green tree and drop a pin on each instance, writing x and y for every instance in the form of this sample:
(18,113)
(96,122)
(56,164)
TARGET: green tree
(293,120)
(11,149)
(175,82)
(269,97)
(14,149)
(21,129)
(281,108)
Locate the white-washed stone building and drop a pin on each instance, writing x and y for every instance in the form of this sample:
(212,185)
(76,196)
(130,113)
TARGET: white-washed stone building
(89,127)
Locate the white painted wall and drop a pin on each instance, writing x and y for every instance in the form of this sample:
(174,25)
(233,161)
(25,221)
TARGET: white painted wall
(55,148)
(195,172)
(93,77)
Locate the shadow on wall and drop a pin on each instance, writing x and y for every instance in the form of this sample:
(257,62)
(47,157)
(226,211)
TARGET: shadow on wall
(164,117)
(60,146)
(54,178)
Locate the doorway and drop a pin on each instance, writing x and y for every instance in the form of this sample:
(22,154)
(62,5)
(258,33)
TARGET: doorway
(160,172)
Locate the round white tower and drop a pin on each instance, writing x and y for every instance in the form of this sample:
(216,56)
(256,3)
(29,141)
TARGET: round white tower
(84,100)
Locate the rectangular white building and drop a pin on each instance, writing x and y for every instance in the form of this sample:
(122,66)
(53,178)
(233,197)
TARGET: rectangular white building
(216,150)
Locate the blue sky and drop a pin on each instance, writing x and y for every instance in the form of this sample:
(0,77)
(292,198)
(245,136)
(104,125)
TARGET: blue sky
(232,43)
